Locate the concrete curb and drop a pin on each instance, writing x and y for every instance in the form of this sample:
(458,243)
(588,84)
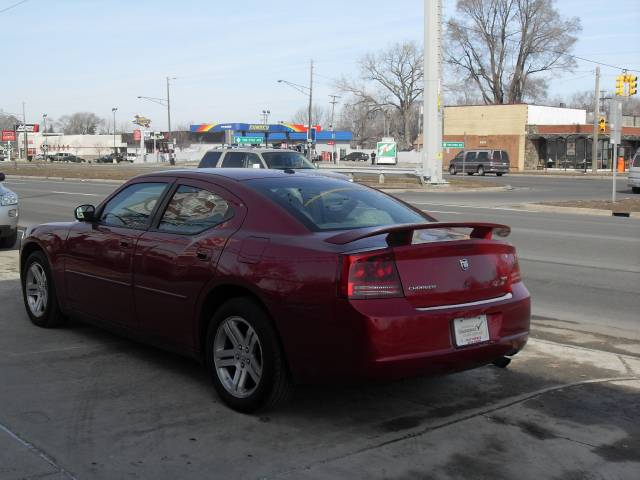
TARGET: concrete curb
(63,179)
(536,207)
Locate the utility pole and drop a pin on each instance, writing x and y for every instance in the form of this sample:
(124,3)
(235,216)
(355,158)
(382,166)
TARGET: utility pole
(170,142)
(333,102)
(113,110)
(596,119)
(44,136)
(26,141)
(432,125)
(309,142)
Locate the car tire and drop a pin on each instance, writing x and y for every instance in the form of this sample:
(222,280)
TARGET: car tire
(452,170)
(498,174)
(37,282)
(252,376)
(10,241)
(469,173)
(635,189)
(481,171)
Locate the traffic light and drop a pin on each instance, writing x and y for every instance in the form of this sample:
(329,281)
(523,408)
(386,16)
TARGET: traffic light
(603,125)
(633,84)
(620,85)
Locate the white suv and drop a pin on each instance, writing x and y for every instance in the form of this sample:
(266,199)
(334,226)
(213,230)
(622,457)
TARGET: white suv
(634,173)
(8,216)
(274,158)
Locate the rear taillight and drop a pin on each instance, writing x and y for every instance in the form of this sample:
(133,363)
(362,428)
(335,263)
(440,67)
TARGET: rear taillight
(370,276)
(514,276)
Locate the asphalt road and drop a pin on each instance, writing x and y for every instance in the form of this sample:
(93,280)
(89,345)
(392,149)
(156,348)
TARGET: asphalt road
(579,268)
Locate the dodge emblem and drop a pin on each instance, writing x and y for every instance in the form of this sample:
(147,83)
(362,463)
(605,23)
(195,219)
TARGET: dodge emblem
(464,264)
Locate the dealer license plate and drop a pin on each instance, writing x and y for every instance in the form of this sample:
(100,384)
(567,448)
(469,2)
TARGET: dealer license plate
(469,331)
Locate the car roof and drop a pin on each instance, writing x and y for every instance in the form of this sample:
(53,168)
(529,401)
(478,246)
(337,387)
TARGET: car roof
(250,150)
(237,174)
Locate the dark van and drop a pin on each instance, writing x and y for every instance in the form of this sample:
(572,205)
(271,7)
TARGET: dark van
(480,162)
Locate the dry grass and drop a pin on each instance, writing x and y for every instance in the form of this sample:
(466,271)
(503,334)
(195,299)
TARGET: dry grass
(624,205)
(86,171)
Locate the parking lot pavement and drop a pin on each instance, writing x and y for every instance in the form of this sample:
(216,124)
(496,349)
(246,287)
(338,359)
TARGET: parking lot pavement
(77,402)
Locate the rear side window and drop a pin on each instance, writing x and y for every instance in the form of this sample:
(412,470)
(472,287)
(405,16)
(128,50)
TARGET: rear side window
(324,204)
(210,160)
(193,210)
(483,156)
(233,160)
(253,161)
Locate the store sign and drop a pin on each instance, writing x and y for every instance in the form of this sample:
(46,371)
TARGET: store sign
(29,127)
(259,128)
(386,152)
(8,136)
(137,135)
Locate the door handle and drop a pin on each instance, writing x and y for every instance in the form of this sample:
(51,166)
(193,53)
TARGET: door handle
(203,254)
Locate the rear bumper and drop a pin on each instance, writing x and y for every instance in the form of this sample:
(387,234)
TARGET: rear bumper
(497,168)
(400,341)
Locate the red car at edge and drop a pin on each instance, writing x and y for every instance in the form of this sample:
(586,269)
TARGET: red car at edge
(274,278)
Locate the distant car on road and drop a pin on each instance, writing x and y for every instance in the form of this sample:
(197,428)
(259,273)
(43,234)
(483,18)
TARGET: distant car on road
(9,212)
(66,157)
(356,157)
(111,158)
(272,158)
(276,277)
(634,173)
(480,162)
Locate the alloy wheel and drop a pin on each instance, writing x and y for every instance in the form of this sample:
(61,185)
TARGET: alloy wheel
(237,356)
(37,289)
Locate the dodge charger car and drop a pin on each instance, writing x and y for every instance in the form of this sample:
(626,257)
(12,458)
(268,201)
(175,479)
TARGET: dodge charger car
(274,278)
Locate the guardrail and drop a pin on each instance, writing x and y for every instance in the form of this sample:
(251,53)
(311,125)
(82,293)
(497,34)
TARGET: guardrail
(379,170)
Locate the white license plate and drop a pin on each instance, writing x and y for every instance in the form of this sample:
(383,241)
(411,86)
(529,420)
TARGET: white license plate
(469,331)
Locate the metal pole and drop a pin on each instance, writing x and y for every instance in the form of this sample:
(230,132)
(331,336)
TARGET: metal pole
(333,128)
(596,129)
(432,125)
(309,156)
(44,136)
(168,110)
(115,152)
(26,141)
(615,171)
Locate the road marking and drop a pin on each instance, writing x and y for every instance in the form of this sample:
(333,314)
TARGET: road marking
(77,193)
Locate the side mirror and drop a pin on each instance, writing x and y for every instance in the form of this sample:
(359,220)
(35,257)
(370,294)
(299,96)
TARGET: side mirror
(2,177)
(85,213)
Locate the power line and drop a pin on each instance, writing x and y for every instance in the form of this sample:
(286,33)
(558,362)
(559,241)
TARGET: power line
(13,6)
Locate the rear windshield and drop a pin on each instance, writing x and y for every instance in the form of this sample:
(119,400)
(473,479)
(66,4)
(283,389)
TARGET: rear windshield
(209,160)
(325,204)
(284,159)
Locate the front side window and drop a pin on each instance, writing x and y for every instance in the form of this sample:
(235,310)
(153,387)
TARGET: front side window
(193,210)
(233,160)
(459,156)
(471,156)
(505,157)
(133,206)
(323,204)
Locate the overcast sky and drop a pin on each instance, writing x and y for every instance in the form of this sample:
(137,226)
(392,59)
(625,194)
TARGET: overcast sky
(63,56)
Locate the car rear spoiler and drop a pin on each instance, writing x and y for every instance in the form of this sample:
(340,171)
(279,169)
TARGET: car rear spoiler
(402,234)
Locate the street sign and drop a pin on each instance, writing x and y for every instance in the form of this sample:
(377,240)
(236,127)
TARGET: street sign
(8,136)
(452,144)
(386,153)
(247,140)
(29,127)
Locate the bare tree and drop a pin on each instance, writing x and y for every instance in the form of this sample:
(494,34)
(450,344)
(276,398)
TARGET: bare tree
(319,116)
(8,121)
(393,78)
(500,45)
(80,123)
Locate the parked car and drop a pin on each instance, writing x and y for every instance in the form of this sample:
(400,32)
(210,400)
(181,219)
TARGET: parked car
(131,157)
(356,157)
(634,173)
(66,157)
(111,158)
(480,162)
(264,158)
(274,278)
(9,212)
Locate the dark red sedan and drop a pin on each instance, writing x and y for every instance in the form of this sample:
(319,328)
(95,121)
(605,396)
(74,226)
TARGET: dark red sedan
(276,277)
